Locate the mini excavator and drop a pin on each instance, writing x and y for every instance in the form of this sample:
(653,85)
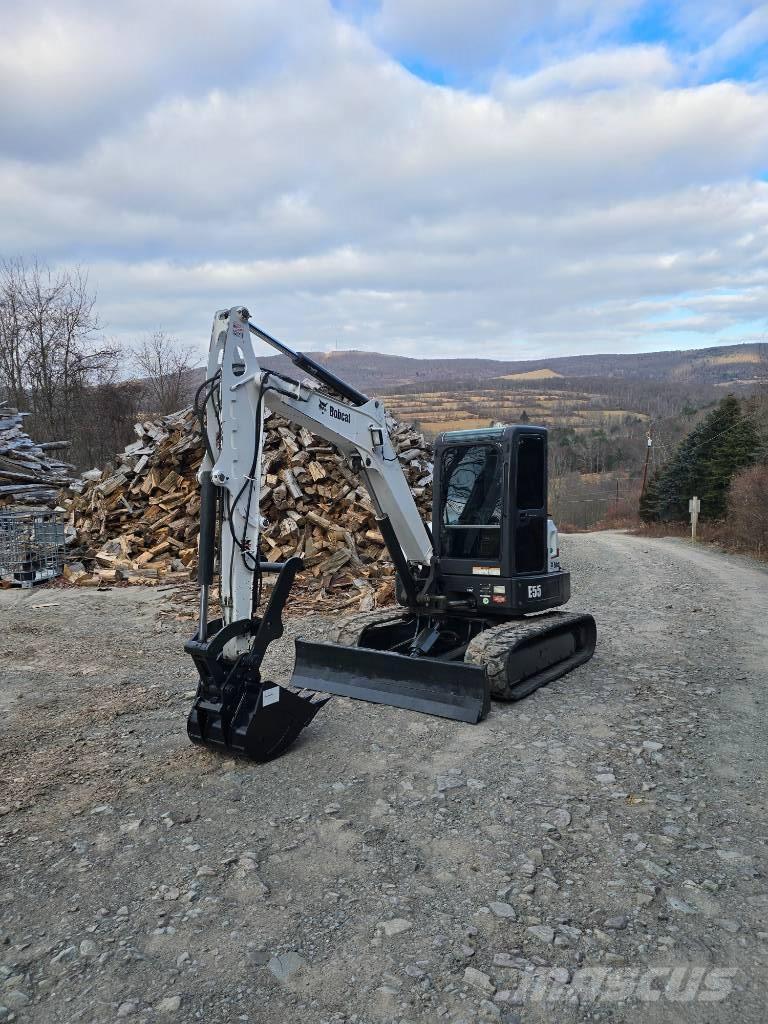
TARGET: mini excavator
(475,591)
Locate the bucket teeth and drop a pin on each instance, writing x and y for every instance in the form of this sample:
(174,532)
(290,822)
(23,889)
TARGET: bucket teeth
(259,725)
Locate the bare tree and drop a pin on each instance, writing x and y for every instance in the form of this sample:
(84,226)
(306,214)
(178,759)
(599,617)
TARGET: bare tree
(107,426)
(13,346)
(559,468)
(165,367)
(49,354)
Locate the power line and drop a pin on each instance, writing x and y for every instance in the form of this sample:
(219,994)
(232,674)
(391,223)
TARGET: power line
(688,460)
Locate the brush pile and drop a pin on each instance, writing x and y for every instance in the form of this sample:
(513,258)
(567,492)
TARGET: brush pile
(138,520)
(28,475)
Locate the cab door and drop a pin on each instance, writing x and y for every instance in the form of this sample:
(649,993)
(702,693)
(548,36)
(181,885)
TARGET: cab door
(470,502)
(529,510)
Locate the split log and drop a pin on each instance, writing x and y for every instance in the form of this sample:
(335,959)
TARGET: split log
(28,476)
(138,518)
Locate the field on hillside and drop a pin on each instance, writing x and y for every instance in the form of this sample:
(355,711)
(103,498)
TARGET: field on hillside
(436,411)
(598,431)
(722,366)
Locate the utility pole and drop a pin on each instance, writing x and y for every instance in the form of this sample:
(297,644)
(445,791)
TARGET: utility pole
(647,458)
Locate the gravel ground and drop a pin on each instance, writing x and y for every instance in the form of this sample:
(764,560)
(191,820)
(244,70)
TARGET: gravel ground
(596,852)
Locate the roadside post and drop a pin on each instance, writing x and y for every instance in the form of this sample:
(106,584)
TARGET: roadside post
(694,507)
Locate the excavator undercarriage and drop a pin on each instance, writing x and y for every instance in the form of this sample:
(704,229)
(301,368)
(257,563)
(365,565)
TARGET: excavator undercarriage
(446,666)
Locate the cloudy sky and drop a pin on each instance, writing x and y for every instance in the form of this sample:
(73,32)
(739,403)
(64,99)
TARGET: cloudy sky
(429,177)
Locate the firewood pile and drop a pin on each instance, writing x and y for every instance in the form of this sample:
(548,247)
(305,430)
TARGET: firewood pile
(28,474)
(137,521)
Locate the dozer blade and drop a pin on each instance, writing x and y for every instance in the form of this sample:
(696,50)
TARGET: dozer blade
(448,689)
(266,721)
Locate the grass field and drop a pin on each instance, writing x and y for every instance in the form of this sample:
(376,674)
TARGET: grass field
(464,410)
(532,375)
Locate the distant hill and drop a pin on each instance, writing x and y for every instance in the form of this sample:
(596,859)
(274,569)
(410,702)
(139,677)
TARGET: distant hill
(375,371)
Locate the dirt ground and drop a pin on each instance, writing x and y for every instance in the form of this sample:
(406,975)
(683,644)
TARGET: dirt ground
(595,852)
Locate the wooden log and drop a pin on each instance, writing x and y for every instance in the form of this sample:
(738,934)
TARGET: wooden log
(291,483)
(312,502)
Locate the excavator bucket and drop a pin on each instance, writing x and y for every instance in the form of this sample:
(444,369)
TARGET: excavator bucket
(265,722)
(235,710)
(448,689)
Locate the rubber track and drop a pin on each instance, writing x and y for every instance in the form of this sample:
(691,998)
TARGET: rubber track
(347,631)
(489,649)
(492,647)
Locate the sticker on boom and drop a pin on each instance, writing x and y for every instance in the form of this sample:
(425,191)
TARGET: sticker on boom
(336,414)
(485,570)
(270,696)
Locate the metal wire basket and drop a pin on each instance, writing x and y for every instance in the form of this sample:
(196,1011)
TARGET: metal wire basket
(31,546)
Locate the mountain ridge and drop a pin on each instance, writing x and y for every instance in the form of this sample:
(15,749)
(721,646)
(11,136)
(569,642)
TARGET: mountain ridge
(740,364)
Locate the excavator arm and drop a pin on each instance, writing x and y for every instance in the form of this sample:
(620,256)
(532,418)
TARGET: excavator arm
(235,709)
(239,392)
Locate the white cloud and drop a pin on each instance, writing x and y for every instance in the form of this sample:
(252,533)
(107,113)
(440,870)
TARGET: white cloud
(629,67)
(70,73)
(282,159)
(744,36)
(463,34)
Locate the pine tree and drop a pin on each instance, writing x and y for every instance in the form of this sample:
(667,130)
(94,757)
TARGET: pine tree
(649,499)
(732,448)
(703,465)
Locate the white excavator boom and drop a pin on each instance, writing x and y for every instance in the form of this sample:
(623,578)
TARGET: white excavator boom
(240,392)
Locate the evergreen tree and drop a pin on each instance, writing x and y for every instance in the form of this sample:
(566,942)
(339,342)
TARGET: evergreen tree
(703,464)
(729,451)
(649,499)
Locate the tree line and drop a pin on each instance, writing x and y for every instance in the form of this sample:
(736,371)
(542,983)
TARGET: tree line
(723,462)
(704,463)
(75,384)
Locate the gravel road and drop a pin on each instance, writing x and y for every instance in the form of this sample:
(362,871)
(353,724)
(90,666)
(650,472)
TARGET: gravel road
(596,852)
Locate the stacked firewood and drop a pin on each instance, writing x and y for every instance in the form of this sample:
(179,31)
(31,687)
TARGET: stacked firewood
(318,508)
(138,520)
(28,474)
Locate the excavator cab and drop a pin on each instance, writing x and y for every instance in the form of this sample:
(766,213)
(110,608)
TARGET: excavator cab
(490,525)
